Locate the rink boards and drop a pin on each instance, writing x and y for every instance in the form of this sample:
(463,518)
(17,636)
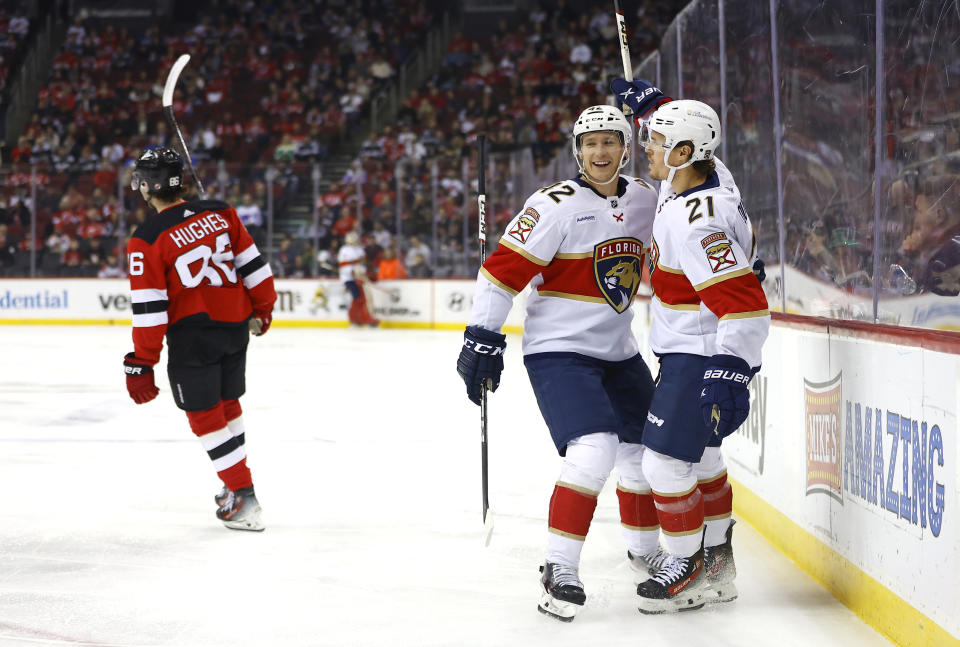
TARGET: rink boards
(848,462)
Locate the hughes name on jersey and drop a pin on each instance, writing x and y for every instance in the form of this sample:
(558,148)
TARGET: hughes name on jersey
(194,263)
(707,300)
(582,253)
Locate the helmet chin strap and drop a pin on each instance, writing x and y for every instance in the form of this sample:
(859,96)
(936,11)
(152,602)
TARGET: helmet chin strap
(674,169)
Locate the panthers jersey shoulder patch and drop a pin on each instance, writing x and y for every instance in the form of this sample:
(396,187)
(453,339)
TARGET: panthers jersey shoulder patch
(721,257)
(524,225)
(712,238)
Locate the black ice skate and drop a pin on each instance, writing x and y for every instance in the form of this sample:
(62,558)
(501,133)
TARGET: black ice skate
(221,497)
(721,570)
(645,566)
(679,585)
(241,511)
(563,592)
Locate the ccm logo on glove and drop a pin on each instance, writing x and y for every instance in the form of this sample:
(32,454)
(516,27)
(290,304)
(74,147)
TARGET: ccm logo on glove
(483,349)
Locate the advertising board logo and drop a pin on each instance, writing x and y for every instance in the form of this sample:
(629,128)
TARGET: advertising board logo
(39,300)
(896,463)
(456,301)
(823,407)
(752,434)
(287,300)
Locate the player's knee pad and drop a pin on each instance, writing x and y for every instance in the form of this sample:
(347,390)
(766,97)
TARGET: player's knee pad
(208,420)
(667,475)
(629,464)
(711,465)
(589,460)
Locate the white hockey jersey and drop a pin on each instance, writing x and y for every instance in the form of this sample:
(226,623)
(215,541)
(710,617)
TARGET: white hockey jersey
(706,300)
(350,259)
(583,254)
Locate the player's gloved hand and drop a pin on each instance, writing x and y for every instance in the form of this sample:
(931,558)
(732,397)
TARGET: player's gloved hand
(641,96)
(140,384)
(260,324)
(759,271)
(481,360)
(724,398)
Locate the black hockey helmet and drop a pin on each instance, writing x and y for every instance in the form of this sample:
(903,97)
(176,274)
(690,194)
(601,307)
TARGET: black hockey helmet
(162,170)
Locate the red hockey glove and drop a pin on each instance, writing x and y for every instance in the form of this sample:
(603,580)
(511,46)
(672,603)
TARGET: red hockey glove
(140,384)
(260,325)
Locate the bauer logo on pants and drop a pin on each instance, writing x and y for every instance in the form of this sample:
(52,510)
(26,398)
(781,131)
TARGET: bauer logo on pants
(617,270)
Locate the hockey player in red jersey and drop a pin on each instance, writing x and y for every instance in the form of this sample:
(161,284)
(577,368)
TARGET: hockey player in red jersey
(580,244)
(197,277)
(710,320)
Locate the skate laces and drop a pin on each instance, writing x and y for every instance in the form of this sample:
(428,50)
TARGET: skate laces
(657,557)
(672,569)
(562,575)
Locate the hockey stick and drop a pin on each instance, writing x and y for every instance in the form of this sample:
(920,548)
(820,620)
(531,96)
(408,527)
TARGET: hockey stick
(624,48)
(394,294)
(168,89)
(482,234)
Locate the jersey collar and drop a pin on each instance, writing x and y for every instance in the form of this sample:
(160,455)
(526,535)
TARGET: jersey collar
(712,182)
(621,187)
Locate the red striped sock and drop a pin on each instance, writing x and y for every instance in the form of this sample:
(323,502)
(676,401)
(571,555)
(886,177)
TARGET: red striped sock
(571,510)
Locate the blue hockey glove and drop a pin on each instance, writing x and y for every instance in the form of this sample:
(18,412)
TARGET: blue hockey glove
(759,271)
(724,399)
(481,360)
(641,96)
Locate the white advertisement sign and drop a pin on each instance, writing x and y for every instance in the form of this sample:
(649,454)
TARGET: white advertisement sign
(856,441)
(415,303)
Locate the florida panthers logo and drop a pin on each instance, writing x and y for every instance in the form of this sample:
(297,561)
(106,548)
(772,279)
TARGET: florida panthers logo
(616,268)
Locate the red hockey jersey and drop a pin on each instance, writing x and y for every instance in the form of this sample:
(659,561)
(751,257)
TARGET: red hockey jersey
(194,263)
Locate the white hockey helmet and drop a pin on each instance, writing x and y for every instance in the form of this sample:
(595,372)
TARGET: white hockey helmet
(601,118)
(680,121)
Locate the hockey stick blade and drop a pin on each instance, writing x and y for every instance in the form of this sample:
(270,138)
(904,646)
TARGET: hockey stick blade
(172,78)
(488,527)
(167,101)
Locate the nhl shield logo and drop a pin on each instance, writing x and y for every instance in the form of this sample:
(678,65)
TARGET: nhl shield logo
(617,269)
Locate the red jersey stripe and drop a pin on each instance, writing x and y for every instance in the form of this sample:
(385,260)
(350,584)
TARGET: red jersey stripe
(673,288)
(571,276)
(509,269)
(739,295)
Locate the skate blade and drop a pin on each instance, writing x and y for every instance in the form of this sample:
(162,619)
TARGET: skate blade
(563,611)
(249,521)
(720,593)
(683,602)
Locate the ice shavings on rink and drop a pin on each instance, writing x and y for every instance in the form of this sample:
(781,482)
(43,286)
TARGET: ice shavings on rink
(365,454)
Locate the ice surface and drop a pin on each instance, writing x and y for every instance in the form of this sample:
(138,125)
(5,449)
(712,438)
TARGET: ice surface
(366,458)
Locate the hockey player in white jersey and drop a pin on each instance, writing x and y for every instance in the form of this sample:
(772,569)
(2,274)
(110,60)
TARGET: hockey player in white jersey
(351,260)
(710,320)
(580,245)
